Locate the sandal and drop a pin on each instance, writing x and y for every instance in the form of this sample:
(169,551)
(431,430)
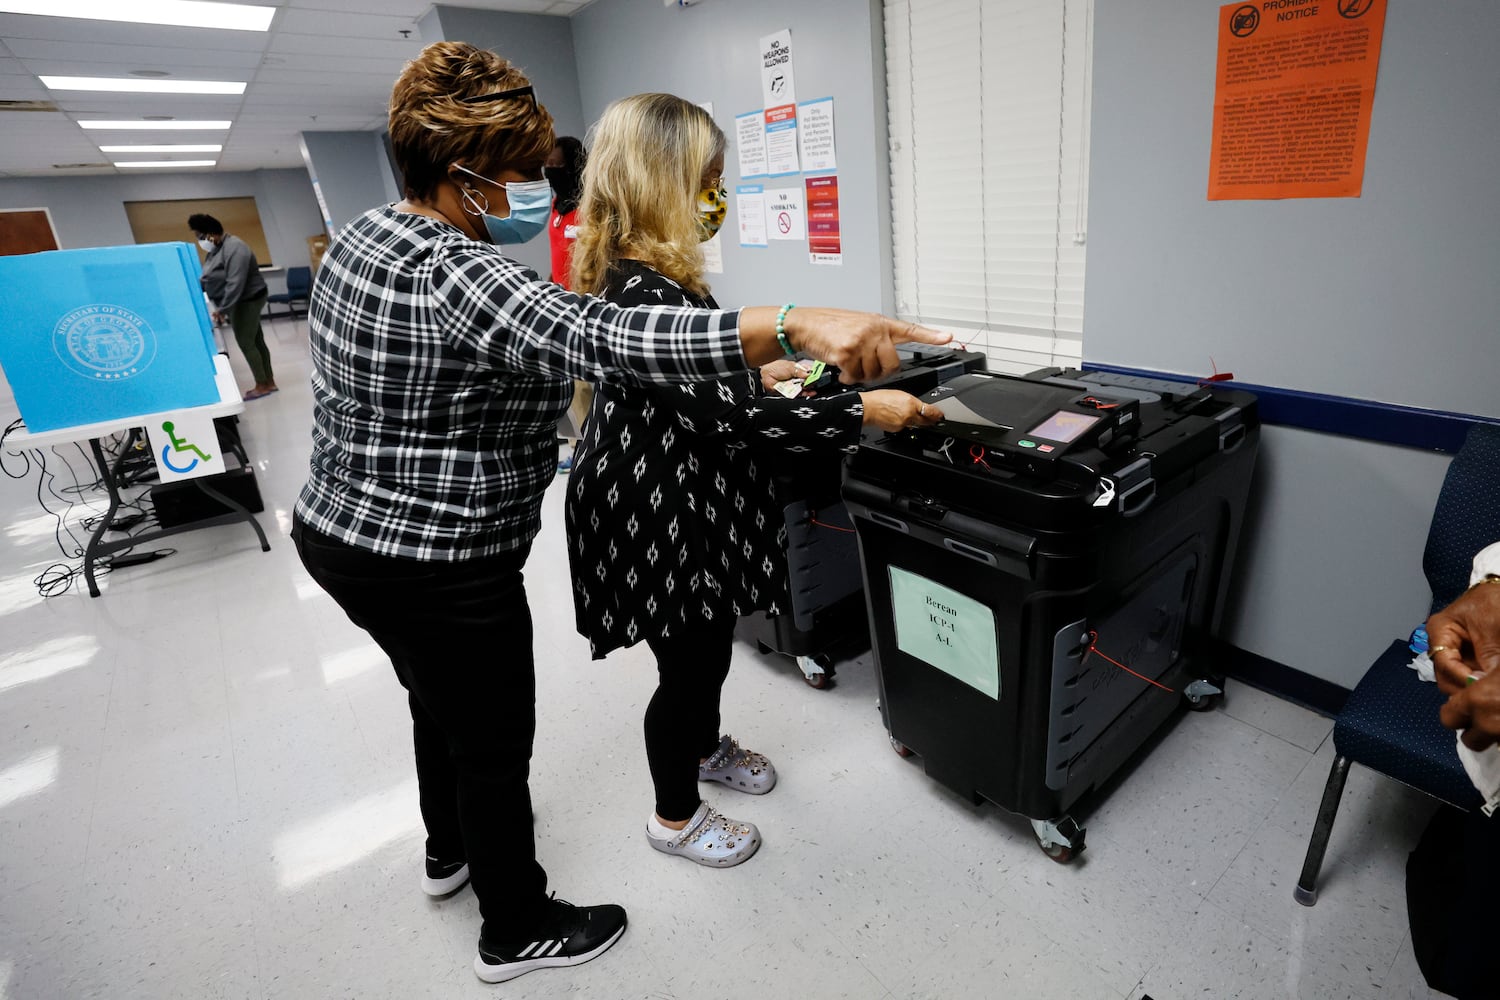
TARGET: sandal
(711,839)
(741,769)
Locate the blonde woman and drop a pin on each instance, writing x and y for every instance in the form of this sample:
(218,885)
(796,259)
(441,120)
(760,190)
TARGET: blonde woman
(674,529)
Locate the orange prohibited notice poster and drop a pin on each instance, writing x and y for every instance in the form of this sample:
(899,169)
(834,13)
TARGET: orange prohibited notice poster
(1292,101)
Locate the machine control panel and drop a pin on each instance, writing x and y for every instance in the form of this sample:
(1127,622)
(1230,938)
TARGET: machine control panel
(1024,424)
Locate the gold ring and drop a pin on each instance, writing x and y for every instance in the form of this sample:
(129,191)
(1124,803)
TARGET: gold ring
(1435,650)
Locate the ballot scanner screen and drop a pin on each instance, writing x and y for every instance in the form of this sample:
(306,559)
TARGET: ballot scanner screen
(1063,426)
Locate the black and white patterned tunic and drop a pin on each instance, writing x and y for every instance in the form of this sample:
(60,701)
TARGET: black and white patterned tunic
(672,513)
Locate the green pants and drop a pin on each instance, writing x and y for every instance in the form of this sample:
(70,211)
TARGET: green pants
(244,316)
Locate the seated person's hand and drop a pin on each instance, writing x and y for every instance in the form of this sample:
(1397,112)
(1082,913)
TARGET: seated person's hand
(220,316)
(894,410)
(1476,711)
(779,371)
(1464,638)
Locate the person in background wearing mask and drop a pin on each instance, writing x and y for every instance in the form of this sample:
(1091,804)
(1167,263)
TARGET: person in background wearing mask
(674,529)
(440,369)
(564,171)
(232,279)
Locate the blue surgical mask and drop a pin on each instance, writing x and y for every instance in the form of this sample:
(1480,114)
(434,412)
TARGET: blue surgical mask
(530,205)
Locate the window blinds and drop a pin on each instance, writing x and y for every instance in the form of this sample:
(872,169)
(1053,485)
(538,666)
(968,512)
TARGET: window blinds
(989,124)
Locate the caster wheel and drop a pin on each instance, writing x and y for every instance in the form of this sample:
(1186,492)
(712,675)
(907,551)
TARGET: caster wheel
(1056,849)
(902,750)
(817,671)
(1057,852)
(1201,703)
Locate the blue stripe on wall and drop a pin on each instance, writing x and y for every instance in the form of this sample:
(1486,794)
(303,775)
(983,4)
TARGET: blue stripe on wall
(1387,423)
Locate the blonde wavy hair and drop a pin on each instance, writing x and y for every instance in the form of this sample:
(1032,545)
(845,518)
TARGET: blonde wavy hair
(431,127)
(640,190)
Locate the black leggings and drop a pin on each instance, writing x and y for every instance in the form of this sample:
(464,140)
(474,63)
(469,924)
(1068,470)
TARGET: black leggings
(682,720)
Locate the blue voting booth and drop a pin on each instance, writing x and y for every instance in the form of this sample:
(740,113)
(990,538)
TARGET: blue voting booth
(94,335)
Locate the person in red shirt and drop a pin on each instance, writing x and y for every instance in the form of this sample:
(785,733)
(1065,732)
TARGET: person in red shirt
(564,171)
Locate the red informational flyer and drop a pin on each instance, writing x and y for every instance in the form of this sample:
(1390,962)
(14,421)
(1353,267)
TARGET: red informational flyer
(1295,86)
(823,242)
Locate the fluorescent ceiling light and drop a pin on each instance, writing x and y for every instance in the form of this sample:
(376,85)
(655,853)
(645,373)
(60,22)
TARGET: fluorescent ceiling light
(144,126)
(135,86)
(183,13)
(181,148)
(167,163)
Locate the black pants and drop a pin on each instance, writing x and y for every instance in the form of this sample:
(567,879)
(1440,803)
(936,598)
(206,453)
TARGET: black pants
(682,720)
(459,637)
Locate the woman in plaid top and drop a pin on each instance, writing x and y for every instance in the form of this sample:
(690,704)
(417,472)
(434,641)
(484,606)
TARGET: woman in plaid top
(441,367)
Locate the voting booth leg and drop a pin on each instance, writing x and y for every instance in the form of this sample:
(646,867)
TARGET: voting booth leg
(92,551)
(238,509)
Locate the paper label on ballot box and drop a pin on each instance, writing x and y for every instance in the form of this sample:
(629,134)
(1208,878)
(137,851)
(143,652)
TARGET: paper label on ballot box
(946,629)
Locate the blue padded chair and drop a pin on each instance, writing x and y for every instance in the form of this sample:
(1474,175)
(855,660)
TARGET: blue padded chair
(1390,722)
(298,288)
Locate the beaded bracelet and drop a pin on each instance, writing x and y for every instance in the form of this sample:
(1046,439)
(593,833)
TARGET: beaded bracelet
(786,345)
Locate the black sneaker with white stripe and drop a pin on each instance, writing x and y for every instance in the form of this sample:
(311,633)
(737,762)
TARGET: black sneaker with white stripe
(443,878)
(568,935)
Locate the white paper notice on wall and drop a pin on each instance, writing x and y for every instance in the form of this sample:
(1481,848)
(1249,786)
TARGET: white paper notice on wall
(786,218)
(713,254)
(781,141)
(815,132)
(185,446)
(750,143)
(750,209)
(777,85)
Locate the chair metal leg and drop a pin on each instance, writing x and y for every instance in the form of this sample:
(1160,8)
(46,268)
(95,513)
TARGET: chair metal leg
(1306,892)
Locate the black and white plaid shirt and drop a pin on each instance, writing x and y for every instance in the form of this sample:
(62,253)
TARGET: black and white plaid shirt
(441,368)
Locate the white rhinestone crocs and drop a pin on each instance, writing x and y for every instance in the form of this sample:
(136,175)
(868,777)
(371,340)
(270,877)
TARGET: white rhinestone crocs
(711,839)
(741,769)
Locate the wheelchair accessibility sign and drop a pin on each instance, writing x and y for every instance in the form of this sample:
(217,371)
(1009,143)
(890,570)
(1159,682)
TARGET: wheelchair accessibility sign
(185,446)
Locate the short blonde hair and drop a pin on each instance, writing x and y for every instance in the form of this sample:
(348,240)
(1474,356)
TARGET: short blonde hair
(640,190)
(431,127)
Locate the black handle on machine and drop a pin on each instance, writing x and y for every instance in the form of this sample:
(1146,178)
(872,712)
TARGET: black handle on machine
(1232,431)
(990,544)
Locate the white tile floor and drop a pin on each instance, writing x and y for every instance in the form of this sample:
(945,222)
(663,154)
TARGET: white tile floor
(206,792)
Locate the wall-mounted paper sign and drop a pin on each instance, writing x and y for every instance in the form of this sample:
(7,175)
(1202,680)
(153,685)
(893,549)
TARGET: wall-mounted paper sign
(825,243)
(750,143)
(815,131)
(781,140)
(785,218)
(777,85)
(750,209)
(713,254)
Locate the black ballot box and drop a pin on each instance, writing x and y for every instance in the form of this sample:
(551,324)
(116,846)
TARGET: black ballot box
(1042,570)
(827,620)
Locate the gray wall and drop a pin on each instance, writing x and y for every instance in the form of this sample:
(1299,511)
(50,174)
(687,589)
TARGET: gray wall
(90,211)
(352,171)
(542,46)
(708,53)
(1390,296)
